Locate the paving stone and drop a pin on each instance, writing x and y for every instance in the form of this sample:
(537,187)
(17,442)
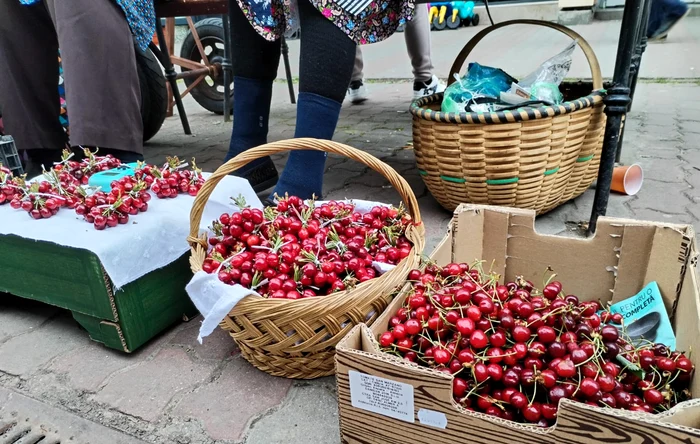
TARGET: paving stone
(226,405)
(88,367)
(657,216)
(655,196)
(218,346)
(25,354)
(308,415)
(56,422)
(146,389)
(18,315)
(690,126)
(663,170)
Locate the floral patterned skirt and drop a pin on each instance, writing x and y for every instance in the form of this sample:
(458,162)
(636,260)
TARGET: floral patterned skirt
(363,21)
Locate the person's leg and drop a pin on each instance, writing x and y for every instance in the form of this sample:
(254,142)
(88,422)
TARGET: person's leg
(29,80)
(358,67)
(326,63)
(100,76)
(664,15)
(655,16)
(255,63)
(357,92)
(417,35)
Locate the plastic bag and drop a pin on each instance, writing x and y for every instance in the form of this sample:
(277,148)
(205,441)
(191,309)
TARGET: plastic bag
(479,82)
(543,83)
(553,70)
(547,92)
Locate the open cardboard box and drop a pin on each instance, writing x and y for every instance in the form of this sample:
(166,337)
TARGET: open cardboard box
(384,399)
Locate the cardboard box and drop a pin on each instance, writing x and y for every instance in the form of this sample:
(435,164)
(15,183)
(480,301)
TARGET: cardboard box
(415,403)
(74,279)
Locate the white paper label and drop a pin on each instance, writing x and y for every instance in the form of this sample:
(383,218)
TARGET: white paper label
(383,396)
(432,418)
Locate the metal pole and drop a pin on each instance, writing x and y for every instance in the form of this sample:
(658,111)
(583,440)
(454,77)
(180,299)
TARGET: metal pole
(616,103)
(636,66)
(226,65)
(171,76)
(288,71)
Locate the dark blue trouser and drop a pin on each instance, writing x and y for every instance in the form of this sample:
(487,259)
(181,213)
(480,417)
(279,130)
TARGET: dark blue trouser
(663,13)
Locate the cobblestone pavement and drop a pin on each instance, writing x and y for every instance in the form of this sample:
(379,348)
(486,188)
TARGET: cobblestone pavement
(176,391)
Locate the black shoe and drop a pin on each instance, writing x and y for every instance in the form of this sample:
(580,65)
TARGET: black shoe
(262,177)
(39,157)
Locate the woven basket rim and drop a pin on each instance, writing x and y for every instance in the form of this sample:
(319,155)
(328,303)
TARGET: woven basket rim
(419,110)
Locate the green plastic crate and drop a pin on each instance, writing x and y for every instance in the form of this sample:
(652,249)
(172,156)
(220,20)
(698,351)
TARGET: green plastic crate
(74,279)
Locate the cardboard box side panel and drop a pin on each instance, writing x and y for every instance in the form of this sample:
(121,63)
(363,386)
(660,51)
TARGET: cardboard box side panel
(154,302)
(634,260)
(687,417)
(686,323)
(585,266)
(432,391)
(65,277)
(442,253)
(382,323)
(467,236)
(496,241)
(667,262)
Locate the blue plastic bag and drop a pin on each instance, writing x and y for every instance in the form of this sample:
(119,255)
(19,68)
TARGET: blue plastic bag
(480,81)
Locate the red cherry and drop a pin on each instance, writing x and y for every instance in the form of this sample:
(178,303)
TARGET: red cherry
(478,340)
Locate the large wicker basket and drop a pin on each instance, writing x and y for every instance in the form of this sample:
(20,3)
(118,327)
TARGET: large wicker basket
(297,338)
(535,158)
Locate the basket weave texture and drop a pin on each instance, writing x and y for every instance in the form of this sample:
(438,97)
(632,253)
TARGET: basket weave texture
(534,158)
(297,338)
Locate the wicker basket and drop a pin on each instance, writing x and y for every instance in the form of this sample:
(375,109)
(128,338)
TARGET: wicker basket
(297,338)
(533,158)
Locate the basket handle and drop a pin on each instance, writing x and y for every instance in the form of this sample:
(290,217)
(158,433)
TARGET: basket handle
(399,183)
(585,46)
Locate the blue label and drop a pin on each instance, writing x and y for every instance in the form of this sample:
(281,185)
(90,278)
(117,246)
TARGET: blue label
(645,317)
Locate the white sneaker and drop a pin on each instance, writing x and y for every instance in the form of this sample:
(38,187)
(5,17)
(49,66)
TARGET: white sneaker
(422,89)
(357,92)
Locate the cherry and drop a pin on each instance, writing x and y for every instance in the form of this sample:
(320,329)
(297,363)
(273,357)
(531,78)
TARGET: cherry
(589,387)
(459,387)
(386,339)
(653,397)
(521,333)
(565,369)
(478,340)
(546,334)
(413,327)
(532,412)
(518,400)
(609,333)
(441,356)
(684,364)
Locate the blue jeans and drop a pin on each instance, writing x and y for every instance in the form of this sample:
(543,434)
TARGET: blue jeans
(663,15)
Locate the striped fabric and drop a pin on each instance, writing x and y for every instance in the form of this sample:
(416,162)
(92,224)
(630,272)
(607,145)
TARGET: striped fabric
(353,6)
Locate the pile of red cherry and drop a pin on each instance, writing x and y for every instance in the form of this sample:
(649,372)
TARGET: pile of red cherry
(172,179)
(515,351)
(299,249)
(63,187)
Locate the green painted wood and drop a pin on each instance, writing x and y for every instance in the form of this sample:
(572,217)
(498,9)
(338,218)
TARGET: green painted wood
(73,279)
(100,330)
(154,302)
(69,278)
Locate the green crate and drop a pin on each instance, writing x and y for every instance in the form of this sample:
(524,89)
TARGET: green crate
(74,279)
